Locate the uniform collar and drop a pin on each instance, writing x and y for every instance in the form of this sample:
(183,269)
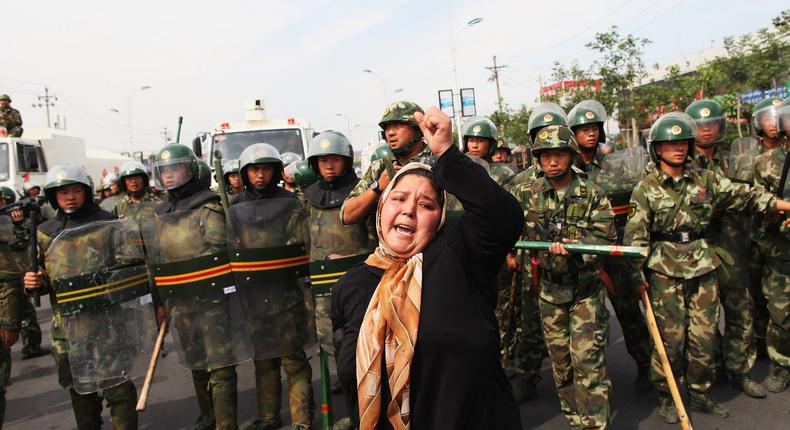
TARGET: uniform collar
(574,187)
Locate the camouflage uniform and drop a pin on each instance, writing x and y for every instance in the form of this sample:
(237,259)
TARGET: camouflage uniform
(773,240)
(124,207)
(12,121)
(671,216)
(12,247)
(574,317)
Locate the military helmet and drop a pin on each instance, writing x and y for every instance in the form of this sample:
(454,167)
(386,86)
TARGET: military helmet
(204,173)
(672,127)
(554,137)
(402,112)
(29,185)
(172,155)
(502,143)
(545,114)
(259,153)
(8,195)
(589,112)
(62,175)
(108,180)
(764,109)
(302,174)
(783,120)
(131,168)
(230,166)
(481,127)
(705,112)
(290,157)
(5,97)
(328,143)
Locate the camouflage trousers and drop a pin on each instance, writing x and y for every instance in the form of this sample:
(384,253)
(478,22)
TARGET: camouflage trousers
(576,335)
(626,308)
(30,331)
(5,373)
(121,399)
(760,315)
(268,385)
(687,313)
(217,396)
(776,288)
(735,349)
(323,324)
(530,347)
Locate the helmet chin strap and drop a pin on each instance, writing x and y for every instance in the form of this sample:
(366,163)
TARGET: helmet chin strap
(560,175)
(409,146)
(138,193)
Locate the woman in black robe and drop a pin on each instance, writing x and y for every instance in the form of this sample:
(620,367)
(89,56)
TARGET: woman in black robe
(415,326)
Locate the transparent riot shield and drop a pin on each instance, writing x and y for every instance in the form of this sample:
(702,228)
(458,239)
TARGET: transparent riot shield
(187,254)
(267,242)
(100,281)
(140,212)
(13,258)
(743,150)
(620,172)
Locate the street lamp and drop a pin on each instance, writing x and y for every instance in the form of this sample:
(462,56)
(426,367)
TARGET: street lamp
(383,84)
(459,111)
(129,114)
(348,124)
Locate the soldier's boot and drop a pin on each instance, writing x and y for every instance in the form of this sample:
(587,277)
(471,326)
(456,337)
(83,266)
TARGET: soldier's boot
(704,403)
(666,408)
(778,378)
(224,396)
(87,410)
(301,401)
(643,383)
(749,386)
(30,332)
(201,379)
(269,393)
(122,401)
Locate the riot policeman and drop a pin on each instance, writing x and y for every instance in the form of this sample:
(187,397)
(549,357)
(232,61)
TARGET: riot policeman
(133,181)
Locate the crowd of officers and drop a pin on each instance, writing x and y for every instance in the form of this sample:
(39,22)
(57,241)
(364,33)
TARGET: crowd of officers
(292,228)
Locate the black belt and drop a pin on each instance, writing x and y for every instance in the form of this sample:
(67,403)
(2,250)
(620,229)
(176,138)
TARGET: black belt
(676,236)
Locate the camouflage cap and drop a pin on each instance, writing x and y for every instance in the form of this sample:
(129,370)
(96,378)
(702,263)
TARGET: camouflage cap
(8,195)
(554,137)
(545,114)
(5,97)
(765,108)
(402,112)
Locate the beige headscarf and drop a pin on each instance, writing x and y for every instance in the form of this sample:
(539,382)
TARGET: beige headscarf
(390,326)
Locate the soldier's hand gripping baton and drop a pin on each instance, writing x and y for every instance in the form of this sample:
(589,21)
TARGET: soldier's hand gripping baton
(387,157)
(221,186)
(685,424)
(35,217)
(149,376)
(582,248)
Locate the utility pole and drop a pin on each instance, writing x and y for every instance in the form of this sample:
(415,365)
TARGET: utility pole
(46,101)
(495,78)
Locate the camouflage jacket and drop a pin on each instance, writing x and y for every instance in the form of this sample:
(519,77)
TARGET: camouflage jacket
(582,214)
(767,175)
(12,121)
(501,173)
(661,205)
(719,163)
(122,207)
(13,256)
(376,167)
(593,167)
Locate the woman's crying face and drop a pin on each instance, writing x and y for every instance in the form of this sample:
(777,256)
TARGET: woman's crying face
(410,216)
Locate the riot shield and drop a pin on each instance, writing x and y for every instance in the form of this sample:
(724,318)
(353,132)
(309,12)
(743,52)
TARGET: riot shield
(742,153)
(100,281)
(267,242)
(140,212)
(620,172)
(12,261)
(187,254)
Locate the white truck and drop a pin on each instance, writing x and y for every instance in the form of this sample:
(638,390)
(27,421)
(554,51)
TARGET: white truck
(38,150)
(231,138)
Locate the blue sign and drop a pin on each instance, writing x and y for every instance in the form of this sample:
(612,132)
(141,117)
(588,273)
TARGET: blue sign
(446,103)
(468,107)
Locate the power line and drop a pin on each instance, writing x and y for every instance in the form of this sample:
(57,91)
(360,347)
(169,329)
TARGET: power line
(46,101)
(495,78)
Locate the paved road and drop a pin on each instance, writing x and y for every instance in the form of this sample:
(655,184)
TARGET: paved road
(35,401)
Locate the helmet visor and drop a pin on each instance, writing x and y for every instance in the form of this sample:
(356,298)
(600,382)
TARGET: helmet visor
(170,175)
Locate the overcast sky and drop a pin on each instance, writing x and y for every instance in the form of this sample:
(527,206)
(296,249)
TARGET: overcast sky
(202,60)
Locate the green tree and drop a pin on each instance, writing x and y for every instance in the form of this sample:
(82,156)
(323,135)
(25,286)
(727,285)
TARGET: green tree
(512,124)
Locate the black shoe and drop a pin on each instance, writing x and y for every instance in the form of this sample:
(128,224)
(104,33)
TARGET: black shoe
(34,352)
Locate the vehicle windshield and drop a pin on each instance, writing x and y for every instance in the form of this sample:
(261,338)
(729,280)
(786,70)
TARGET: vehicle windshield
(231,145)
(4,174)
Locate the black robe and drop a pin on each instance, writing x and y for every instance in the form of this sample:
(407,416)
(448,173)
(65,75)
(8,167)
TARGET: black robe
(457,381)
